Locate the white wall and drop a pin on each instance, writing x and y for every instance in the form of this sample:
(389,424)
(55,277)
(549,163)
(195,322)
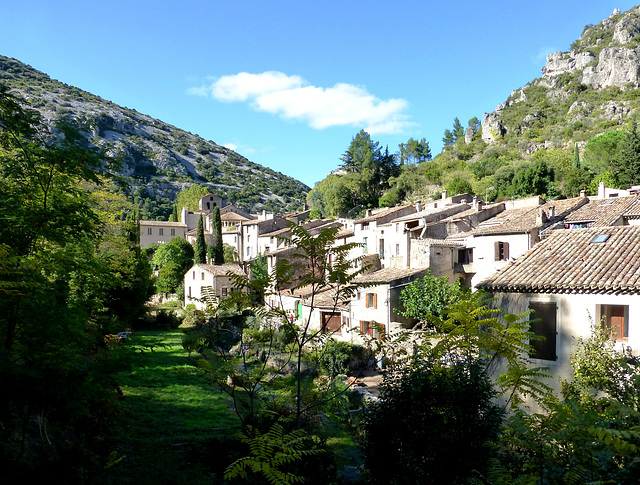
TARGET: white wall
(573,321)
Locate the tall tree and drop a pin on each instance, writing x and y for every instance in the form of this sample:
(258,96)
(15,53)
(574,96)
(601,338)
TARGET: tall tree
(627,165)
(218,251)
(200,248)
(414,152)
(189,197)
(70,270)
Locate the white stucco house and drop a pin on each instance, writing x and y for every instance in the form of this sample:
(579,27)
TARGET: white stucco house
(571,279)
(212,277)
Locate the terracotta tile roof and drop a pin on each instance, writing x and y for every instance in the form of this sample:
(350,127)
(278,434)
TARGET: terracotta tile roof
(601,212)
(426,212)
(383,213)
(523,220)
(633,211)
(448,243)
(232,216)
(467,213)
(386,275)
(221,269)
(571,262)
(162,223)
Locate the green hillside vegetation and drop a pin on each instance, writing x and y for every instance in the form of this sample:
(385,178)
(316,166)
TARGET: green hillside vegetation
(559,134)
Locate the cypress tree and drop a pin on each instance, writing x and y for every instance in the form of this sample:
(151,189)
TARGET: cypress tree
(576,156)
(200,250)
(218,251)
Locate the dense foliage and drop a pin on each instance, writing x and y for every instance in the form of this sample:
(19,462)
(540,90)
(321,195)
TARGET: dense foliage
(71,271)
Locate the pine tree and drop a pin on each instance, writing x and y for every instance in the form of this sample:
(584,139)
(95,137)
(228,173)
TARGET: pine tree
(200,249)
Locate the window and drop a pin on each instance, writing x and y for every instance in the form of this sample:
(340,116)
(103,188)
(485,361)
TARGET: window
(501,250)
(365,249)
(160,232)
(373,329)
(224,292)
(365,226)
(202,276)
(397,250)
(189,292)
(465,256)
(543,322)
(615,319)
(381,250)
(600,238)
(149,231)
(194,275)
(173,232)
(332,322)
(372,300)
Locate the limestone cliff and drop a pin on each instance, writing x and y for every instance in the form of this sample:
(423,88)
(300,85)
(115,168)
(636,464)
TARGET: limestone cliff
(581,92)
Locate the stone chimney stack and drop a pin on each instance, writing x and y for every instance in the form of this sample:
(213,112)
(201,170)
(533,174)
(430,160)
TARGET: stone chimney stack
(541,217)
(368,213)
(418,206)
(552,211)
(479,205)
(583,193)
(444,194)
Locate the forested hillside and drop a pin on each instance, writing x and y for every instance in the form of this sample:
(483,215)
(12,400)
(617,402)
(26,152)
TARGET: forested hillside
(156,159)
(566,131)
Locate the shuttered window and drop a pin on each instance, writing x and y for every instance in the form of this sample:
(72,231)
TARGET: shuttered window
(372,300)
(501,250)
(543,322)
(332,322)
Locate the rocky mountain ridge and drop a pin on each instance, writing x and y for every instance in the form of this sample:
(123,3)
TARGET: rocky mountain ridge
(596,80)
(158,159)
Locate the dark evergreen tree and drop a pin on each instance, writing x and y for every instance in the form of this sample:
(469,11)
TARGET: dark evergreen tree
(626,166)
(200,249)
(218,251)
(432,423)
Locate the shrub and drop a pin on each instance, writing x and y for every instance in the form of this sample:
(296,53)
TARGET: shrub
(339,357)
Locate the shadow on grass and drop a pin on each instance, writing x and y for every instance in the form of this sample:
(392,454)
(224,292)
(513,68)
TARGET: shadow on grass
(176,427)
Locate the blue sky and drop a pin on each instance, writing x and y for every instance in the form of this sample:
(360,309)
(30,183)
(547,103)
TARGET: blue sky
(289,83)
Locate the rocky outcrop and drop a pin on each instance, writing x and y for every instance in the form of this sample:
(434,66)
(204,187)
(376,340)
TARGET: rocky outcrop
(617,66)
(560,63)
(606,55)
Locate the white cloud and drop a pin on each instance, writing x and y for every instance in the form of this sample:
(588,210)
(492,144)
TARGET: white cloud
(231,146)
(541,57)
(293,98)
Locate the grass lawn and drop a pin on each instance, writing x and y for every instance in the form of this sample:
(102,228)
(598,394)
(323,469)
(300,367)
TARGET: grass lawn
(176,426)
(175,423)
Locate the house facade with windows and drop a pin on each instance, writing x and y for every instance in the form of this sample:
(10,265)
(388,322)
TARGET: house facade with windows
(571,280)
(211,280)
(377,303)
(501,239)
(160,232)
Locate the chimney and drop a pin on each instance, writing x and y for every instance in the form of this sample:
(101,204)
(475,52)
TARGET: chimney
(583,193)
(418,206)
(444,194)
(552,211)
(601,190)
(541,217)
(479,205)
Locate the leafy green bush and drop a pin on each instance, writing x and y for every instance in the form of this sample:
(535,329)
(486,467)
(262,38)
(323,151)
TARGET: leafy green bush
(339,357)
